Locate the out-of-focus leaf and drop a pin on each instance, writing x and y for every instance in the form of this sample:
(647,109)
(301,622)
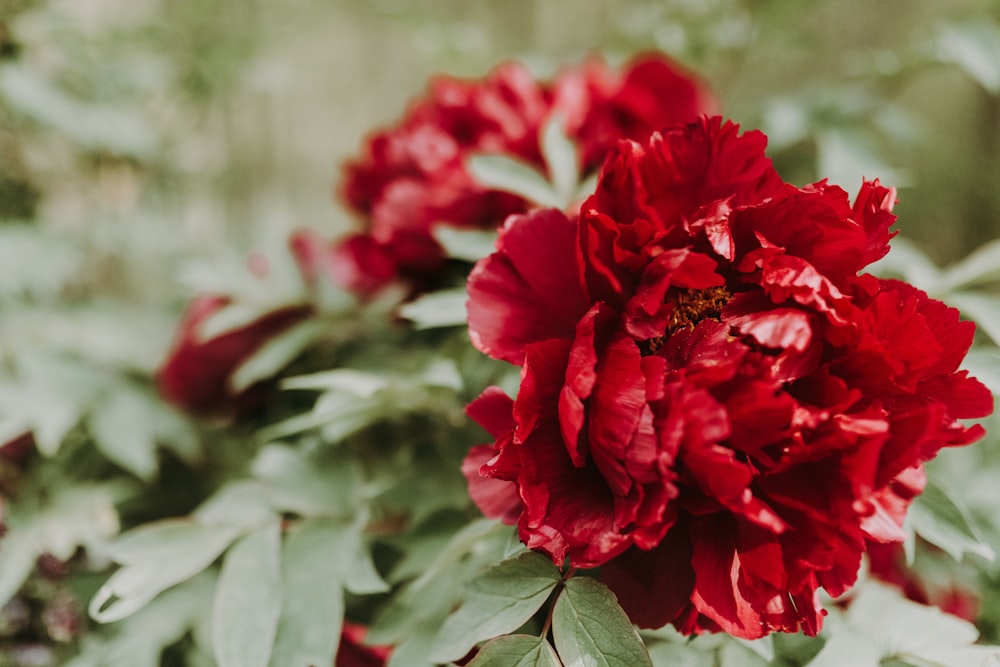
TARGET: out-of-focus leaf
(275,354)
(590,628)
(880,624)
(296,483)
(470,245)
(499,172)
(984,364)
(940,520)
(975,47)
(339,415)
(312,569)
(36,264)
(242,504)
(98,127)
(984,309)
(846,157)
(248,600)
(665,654)
(499,601)
(907,261)
(445,308)
(18,553)
(359,383)
(142,638)
(981,265)
(121,427)
(562,159)
(516,651)
(156,557)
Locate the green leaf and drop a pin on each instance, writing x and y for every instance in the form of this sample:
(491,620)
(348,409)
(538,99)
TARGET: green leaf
(155,557)
(938,518)
(983,308)
(516,651)
(444,308)
(359,383)
(312,567)
(846,156)
(470,245)
(984,364)
(248,600)
(297,483)
(275,354)
(907,260)
(122,431)
(499,601)
(561,158)
(975,47)
(981,265)
(142,638)
(881,624)
(18,553)
(499,172)
(243,504)
(591,630)
(666,654)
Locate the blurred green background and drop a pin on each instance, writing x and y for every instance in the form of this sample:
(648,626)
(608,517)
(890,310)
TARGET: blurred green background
(202,124)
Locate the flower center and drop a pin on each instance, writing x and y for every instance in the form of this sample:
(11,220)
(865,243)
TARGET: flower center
(690,307)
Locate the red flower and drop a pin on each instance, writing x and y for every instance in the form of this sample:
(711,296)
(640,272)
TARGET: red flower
(354,653)
(715,406)
(195,376)
(413,176)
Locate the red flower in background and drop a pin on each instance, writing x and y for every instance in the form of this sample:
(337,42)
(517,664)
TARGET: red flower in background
(354,653)
(887,562)
(715,407)
(413,176)
(195,376)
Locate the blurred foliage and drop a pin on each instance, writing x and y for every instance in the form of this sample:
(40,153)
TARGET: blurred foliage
(146,146)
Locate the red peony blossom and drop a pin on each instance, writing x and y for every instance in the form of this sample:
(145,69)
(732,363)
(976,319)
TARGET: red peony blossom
(413,176)
(195,376)
(716,407)
(354,653)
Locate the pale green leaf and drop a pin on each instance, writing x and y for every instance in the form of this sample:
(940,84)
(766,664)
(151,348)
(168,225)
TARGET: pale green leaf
(275,354)
(312,567)
(908,261)
(975,47)
(231,318)
(981,265)
(359,383)
(18,553)
(984,364)
(665,654)
(561,158)
(983,308)
(142,638)
(156,557)
(499,172)
(122,431)
(444,308)
(248,600)
(243,504)
(499,601)
(516,651)
(470,245)
(938,518)
(846,157)
(880,624)
(296,483)
(362,577)
(591,630)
